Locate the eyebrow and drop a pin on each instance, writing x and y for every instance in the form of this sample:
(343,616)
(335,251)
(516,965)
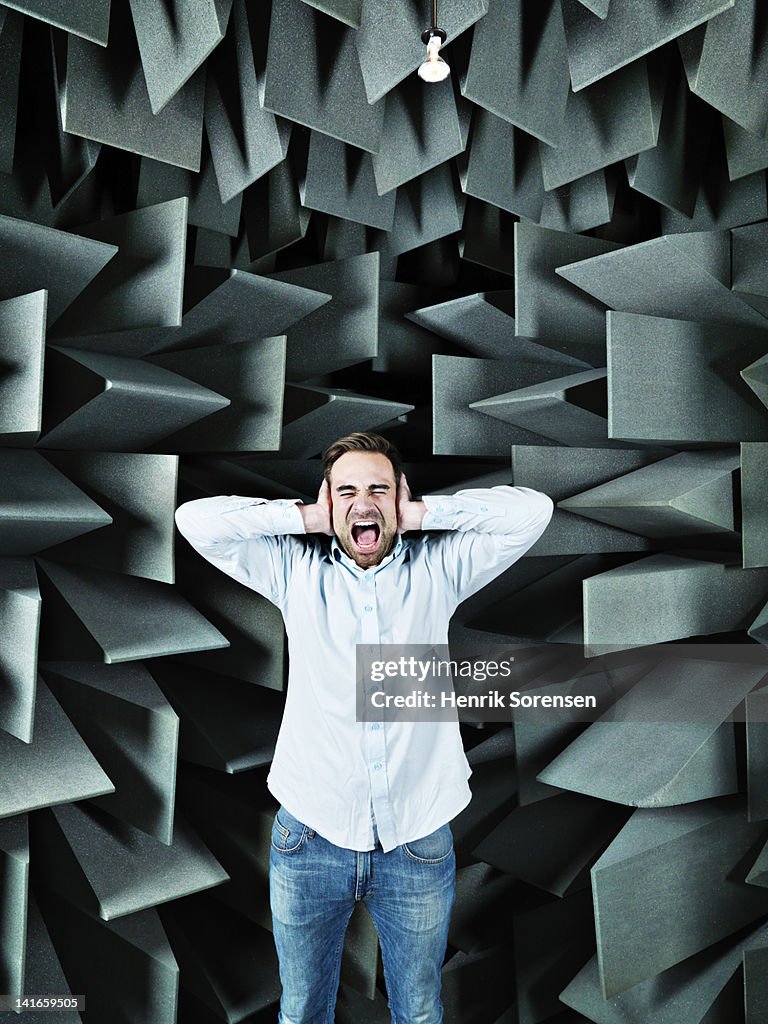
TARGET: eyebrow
(352,487)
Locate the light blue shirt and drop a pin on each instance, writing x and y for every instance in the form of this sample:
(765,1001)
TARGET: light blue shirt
(328,768)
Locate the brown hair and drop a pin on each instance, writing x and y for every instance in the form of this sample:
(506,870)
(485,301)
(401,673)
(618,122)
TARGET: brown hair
(361,443)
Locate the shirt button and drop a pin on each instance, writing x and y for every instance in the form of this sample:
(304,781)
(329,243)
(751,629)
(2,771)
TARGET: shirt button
(483,508)
(375,726)
(368,608)
(378,766)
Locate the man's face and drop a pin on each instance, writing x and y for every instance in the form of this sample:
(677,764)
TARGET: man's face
(363,496)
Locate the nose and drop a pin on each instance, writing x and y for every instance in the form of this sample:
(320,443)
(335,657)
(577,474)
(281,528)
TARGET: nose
(362,508)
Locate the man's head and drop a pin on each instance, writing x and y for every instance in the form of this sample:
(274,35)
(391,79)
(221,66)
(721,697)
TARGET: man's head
(363,473)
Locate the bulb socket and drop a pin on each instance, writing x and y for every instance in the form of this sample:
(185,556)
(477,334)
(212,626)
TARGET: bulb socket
(427,34)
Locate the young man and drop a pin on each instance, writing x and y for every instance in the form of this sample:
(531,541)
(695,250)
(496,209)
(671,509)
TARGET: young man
(364,806)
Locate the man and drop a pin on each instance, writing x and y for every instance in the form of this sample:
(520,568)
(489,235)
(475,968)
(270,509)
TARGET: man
(364,806)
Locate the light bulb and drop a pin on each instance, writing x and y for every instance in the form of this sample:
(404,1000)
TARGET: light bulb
(434,68)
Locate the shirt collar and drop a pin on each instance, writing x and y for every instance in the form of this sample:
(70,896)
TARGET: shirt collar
(340,555)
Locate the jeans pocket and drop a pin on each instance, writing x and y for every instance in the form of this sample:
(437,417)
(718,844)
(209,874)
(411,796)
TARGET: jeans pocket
(288,833)
(431,849)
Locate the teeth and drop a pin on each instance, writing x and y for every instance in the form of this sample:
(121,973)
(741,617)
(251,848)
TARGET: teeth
(364,522)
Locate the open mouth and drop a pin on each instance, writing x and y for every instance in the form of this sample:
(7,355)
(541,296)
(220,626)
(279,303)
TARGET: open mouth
(365,534)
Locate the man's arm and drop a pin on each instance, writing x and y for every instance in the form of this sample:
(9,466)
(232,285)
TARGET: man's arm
(251,539)
(487,530)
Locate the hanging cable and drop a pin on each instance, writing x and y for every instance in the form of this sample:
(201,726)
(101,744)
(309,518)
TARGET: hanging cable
(434,68)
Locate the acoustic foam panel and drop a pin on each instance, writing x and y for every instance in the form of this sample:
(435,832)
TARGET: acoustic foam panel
(111,869)
(10,59)
(347,11)
(92,614)
(14,875)
(106,100)
(457,381)
(568,409)
(236,306)
(537,743)
(35,257)
(483,324)
(696,989)
(611,120)
(127,962)
(250,374)
(597,7)
(671,172)
(344,330)
(628,31)
(314,417)
(750,281)
(273,214)
(22,340)
(119,298)
(729,73)
(754,528)
(319,84)
(246,141)
(561,472)
(479,888)
(56,767)
(557,868)
(68,159)
(746,152)
(223,727)
(41,506)
(20,622)
(755,962)
(720,203)
(383,67)
(139,491)
(160,182)
(426,208)
(669,597)
(580,205)
(115,403)
(518,66)
(758,873)
(547,607)
(756,708)
(548,945)
(421,129)
(174,41)
(692,390)
(504,168)
(688,493)
(340,181)
(79,17)
(486,237)
(231,965)
(42,968)
(674,276)
(666,742)
(544,308)
(132,730)
(252,625)
(705,841)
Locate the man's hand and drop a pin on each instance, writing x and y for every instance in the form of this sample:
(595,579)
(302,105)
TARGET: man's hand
(410,513)
(318,518)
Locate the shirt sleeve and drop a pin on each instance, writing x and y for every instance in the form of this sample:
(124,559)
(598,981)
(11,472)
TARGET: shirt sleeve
(487,530)
(250,539)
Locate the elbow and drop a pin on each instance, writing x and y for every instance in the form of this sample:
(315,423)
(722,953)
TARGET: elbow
(542,514)
(186,516)
(548,508)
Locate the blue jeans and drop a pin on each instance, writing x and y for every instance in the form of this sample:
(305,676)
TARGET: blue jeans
(314,885)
